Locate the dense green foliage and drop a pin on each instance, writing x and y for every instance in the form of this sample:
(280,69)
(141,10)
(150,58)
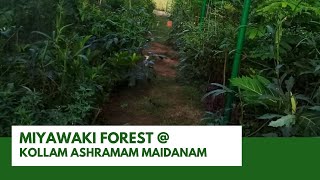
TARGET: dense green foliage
(279,87)
(59,59)
(58,64)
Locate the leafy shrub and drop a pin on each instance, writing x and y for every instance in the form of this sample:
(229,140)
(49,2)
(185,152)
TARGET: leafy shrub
(280,81)
(57,71)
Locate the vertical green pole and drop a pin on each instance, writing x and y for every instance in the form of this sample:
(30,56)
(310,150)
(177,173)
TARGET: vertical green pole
(237,59)
(203,13)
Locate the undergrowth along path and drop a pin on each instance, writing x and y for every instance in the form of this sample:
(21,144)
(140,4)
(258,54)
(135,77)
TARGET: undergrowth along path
(160,102)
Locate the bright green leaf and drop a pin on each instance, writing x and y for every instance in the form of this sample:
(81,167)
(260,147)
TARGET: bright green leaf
(286,121)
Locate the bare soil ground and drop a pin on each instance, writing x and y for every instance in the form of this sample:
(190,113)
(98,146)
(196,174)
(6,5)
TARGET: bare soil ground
(161,102)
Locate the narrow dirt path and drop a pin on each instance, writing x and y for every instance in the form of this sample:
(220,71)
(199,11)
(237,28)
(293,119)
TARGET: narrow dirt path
(161,102)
